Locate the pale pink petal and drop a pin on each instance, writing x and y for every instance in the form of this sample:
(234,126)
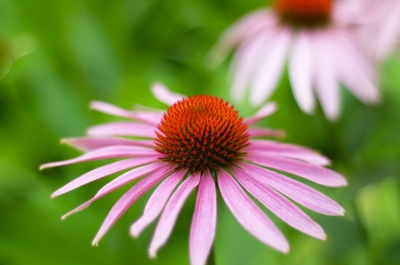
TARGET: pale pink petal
(300,71)
(103,171)
(287,150)
(315,173)
(91,143)
(263,132)
(159,169)
(249,214)
(245,60)
(202,231)
(123,129)
(156,202)
(170,213)
(116,151)
(267,74)
(278,204)
(117,111)
(126,201)
(326,83)
(164,95)
(299,192)
(245,27)
(265,111)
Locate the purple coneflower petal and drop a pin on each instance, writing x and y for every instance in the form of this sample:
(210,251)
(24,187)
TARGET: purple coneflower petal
(163,94)
(326,83)
(248,214)
(315,173)
(264,112)
(170,213)
(103,171)
(157,201)
(126,201)
(117,111)
(116,151)
(124,179)
(269,70)
(88,144)
(286,150)
(123,129)
(202,231)
(299,192)
(300,72)
(279,205)
(262,132)
(244,62)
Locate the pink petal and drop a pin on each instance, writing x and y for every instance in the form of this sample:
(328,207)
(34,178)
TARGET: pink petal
(164,95)
(265,111)
(267,73)
(170,213)
(123,129)
(300,71)
(117,111)
(202,231)
(279,205)
(287,150)
(116,151)
(327,86)
(126,201)
(246,60)
(306,196)
(157,202)
(249,215)
(315,173)
(102,172)
(262,132)
(159,169)
(90,143)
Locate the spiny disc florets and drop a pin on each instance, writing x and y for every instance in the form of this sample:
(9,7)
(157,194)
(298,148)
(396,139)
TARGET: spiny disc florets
(304,13)
(202,133)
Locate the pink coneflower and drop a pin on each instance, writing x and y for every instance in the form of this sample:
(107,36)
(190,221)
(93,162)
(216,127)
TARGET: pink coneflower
(315,36)
(202,142)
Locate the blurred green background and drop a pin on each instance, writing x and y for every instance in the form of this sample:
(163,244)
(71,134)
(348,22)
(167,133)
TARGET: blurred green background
(57,56)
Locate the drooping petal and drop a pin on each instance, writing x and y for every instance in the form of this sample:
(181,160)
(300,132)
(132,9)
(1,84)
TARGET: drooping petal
(159,169)
(278,204)
(157,202)
(123,129)
(269,70)
(117,111)
(265,111)
(116,151)
(245,60)
(300,71)
(202,231)
(91,143)
(315,173)
(299,192)
(252,218)
(170,213)
(326,83)
(126,201)
(164,95)
(103,171)
(272,148)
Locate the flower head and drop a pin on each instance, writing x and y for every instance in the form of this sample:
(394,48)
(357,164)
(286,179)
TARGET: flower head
(316,38)
(202,142)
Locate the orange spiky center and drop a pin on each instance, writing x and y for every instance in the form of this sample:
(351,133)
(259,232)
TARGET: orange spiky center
(304,13)
(202,133)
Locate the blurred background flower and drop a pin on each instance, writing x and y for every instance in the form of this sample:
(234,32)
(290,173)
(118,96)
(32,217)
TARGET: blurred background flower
(112,52)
